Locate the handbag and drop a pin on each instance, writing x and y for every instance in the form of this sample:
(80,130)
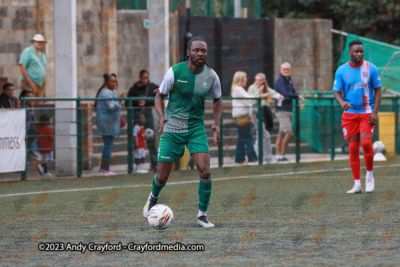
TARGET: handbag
(268,119)
(122,122)
(243,120)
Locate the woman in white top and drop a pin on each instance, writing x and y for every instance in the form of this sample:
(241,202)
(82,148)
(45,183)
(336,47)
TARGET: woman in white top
(259,87)
(243,109)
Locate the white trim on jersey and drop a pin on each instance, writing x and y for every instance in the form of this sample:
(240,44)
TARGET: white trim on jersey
(216,91)
(168,82)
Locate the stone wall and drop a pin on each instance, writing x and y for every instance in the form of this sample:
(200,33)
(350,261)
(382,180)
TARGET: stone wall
(307,46)
(133,46)
(18,24)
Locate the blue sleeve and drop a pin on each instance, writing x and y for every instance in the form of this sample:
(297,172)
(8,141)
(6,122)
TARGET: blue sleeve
(279,86)
(338,85)
(376,78)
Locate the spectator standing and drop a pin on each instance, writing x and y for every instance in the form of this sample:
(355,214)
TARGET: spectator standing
(259,87)
(284,113)
(46,139)
(241,111)
(107,119)
(145,88)
(32,64)
(139,136)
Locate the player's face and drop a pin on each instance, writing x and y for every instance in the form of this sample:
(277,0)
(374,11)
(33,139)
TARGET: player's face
(198,54)
(356,53)
(144,78)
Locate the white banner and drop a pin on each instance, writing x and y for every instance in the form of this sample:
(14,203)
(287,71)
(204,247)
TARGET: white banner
(12,140)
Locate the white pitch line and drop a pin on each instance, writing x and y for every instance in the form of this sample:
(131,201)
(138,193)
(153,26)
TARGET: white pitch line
(259,176)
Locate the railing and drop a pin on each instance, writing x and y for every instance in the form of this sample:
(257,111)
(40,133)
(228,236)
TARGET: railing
(326,107)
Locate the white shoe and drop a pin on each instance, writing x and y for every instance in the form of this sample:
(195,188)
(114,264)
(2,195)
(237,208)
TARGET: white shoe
(355,190)
(203,222)
(47,174)
(142,171)
(149,204)
(270,161)
(369,185)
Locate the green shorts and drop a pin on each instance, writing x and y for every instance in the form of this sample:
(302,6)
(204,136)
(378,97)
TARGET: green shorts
(172,146)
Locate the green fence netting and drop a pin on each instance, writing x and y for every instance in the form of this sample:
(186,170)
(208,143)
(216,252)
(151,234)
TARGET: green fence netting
(384,56)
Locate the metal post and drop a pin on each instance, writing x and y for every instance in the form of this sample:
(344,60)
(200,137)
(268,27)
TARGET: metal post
(173,6)
(136,7)
(297,116)
(258,8)
(24,173)
(260,117)
(130,135)
(396,124)
(221,143)
(209,8)
(79,149)
(332,130)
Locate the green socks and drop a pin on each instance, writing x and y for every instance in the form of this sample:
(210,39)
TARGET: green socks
(204,194)
(157,187)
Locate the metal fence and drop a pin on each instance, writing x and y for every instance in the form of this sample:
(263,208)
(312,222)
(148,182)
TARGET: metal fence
(319,117)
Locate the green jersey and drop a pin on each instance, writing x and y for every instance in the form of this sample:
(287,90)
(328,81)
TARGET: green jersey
(187,92)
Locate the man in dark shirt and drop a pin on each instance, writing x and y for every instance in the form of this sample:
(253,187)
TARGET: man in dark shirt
(144,88)
(284,86)
(7,98)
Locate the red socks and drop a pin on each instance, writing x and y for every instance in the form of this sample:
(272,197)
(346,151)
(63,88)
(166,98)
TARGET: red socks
(366,144)
(355,165)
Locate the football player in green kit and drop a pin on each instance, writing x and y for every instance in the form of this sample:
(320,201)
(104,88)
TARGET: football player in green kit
(187,84)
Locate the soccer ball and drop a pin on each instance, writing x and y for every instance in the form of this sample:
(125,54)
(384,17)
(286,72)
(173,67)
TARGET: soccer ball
(379,147)
(160,217)
(149,134)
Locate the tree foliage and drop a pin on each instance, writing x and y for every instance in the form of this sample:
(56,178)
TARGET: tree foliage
(375,19)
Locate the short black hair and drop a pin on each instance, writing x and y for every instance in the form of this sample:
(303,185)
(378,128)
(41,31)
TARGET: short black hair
(24,92)
(143,71)
(7,85)
(196,38)
(355,42)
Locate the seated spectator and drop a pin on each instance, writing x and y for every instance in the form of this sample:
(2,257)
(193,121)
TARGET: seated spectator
(139,149)
(7,98)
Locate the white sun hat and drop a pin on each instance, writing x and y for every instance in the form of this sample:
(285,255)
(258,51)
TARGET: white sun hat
(38,38)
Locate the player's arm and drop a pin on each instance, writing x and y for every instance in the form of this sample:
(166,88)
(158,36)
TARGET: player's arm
(338,87)
(216,93)
(165,87)
(339,98)
(217,119)
(159,105)
(378,98)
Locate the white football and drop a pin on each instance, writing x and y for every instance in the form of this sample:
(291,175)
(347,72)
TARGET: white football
(160,217)
(149,134)
(379,147)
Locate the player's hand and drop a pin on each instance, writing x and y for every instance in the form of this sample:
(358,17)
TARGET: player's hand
(141,103)
(346,106)
(217,134)
(302,98)
(373,119)
(162,123)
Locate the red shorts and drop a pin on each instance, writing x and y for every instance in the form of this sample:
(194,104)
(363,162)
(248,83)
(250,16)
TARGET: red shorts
(353,123)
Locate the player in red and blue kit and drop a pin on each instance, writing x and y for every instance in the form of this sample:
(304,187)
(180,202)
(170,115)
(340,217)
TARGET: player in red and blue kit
(357,89)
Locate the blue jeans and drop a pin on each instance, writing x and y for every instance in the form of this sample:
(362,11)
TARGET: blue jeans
(245,144)
(106,157)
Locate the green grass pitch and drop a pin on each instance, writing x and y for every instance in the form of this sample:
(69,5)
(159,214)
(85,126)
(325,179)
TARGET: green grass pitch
(270,215)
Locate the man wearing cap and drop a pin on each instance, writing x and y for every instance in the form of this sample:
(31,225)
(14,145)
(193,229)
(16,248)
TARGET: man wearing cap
(32,64)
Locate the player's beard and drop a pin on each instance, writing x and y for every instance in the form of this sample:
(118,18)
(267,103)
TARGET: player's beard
(198,65)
